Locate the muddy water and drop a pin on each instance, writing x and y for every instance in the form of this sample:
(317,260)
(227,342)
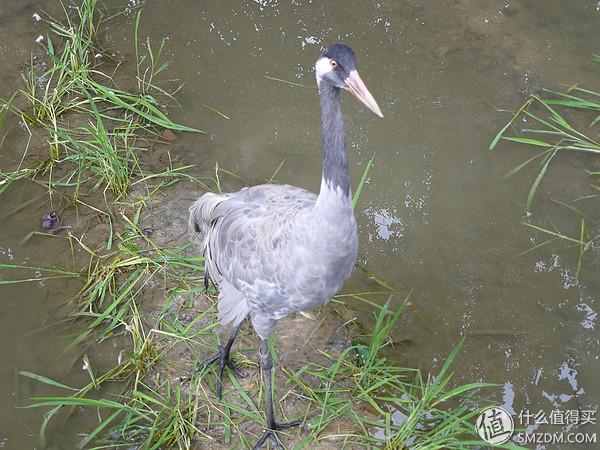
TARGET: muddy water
(436,217)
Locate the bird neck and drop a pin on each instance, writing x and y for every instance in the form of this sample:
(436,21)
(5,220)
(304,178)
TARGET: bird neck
(336,178)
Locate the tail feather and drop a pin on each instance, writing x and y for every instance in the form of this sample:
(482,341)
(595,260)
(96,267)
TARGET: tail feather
(202,214)
(201,220)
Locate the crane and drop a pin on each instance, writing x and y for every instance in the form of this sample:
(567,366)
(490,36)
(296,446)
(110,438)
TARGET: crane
(278,249)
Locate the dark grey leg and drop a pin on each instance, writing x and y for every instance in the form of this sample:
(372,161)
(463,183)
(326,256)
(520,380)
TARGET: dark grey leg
(223,358)
(266,365)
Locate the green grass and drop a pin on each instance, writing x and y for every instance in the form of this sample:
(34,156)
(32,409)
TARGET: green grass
(359,387)
(103,155)
(364,388)
(116,279)
(556,125)
(554,133)
(103,152)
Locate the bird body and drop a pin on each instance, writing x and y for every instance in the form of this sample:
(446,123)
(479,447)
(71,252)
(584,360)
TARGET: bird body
(278,249)
(275,249)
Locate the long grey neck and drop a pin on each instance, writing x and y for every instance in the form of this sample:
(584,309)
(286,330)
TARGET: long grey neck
(335,160)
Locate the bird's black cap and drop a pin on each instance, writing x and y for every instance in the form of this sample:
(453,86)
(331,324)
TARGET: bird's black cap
(342,54)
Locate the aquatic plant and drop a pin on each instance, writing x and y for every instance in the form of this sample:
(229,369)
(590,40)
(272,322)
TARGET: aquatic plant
(551,132)
(103,152)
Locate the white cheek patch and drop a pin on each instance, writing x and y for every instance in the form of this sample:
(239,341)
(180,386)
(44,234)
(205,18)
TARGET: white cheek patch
(321,68)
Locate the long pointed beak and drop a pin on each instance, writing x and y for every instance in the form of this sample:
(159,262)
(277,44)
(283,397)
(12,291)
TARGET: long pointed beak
(357,87)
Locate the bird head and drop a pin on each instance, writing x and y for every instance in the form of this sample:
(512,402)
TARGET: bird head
(336,65)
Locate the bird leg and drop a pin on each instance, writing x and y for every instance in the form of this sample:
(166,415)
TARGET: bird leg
(222,357)
(266,364)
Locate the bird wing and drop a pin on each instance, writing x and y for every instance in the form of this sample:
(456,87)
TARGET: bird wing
(247,237)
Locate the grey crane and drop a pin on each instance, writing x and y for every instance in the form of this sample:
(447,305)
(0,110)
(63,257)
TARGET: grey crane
(278,249)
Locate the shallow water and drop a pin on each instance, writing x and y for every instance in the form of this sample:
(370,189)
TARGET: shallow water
(436,217)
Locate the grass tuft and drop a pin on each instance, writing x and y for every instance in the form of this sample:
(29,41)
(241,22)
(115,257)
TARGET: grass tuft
(560,123)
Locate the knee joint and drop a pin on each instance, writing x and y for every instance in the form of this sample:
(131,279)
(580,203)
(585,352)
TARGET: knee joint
(266,362)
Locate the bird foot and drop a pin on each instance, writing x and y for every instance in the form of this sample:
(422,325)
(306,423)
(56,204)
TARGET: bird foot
(224,361)
(272,434)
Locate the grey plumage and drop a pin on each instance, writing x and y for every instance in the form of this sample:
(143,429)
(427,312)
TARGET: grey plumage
(277,249)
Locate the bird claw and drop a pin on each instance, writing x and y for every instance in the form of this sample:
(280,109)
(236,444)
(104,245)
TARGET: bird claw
(224,361)
(207,362)
(287,425)
(272,434)
(269,434)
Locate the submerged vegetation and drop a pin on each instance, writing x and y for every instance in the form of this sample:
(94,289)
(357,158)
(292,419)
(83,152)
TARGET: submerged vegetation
(97,135)
(556,124)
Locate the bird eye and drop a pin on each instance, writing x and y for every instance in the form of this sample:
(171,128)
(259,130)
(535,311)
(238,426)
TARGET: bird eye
(333,63)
